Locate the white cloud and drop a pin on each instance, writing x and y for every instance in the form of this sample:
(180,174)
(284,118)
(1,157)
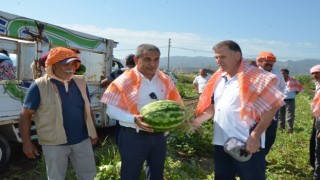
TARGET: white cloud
(283,50)
(189,44)
(129,40)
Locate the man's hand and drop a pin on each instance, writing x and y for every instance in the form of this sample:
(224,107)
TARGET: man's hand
(205,116)
(30,150)
(94,141)
(196,123)
(253,143)
(138,119)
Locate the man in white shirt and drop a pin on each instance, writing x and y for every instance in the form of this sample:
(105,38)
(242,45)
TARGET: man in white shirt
(231,97)
(125,96)
(201,80)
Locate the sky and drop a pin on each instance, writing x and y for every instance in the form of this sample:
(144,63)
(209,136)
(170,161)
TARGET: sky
(288,28)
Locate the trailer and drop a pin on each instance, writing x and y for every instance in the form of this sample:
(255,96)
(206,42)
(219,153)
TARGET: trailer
(27,40)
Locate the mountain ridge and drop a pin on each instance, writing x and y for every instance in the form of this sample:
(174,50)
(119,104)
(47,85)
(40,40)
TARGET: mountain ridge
(186,64)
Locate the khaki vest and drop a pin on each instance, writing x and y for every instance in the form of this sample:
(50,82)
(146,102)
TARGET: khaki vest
(48,117)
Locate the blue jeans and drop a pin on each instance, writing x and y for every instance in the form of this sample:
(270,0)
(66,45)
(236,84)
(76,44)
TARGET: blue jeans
(227,168)
(136,148)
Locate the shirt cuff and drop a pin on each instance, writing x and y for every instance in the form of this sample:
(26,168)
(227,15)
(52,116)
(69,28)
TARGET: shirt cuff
(119,114)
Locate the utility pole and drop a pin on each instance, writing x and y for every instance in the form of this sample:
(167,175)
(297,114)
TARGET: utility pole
(169,45)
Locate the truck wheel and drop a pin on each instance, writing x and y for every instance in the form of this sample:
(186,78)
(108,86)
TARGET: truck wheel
(5,152)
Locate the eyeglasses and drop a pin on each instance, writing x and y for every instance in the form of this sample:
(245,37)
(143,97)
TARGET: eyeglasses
(153,96)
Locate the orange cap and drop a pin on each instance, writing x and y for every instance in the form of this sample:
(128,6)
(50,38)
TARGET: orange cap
(266,56)
(59,54)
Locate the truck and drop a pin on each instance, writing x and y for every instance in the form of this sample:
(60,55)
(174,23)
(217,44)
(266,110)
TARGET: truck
(27,40)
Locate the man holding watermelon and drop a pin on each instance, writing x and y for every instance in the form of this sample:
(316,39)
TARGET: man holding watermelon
(125,96)
(242,99)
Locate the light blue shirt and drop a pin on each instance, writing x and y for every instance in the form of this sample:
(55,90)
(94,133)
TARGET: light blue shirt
(290,95)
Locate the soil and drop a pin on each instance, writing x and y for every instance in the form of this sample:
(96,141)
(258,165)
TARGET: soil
(18,162)
(206,163)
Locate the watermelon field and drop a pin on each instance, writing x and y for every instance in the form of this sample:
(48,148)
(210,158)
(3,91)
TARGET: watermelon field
(190,155)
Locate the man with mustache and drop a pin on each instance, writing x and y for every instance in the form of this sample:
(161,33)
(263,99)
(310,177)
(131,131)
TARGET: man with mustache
(125,96)
(59,105)
(266,60)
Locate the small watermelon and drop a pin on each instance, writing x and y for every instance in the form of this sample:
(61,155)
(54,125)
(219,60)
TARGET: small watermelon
(81,70)
(163,115)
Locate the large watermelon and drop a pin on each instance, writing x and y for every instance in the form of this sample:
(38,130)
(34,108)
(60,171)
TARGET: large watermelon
(163,115)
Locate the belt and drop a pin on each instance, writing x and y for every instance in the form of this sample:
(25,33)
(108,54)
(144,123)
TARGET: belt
(128,129)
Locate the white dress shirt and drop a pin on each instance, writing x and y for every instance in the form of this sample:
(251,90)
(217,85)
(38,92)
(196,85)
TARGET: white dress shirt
(147,87)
